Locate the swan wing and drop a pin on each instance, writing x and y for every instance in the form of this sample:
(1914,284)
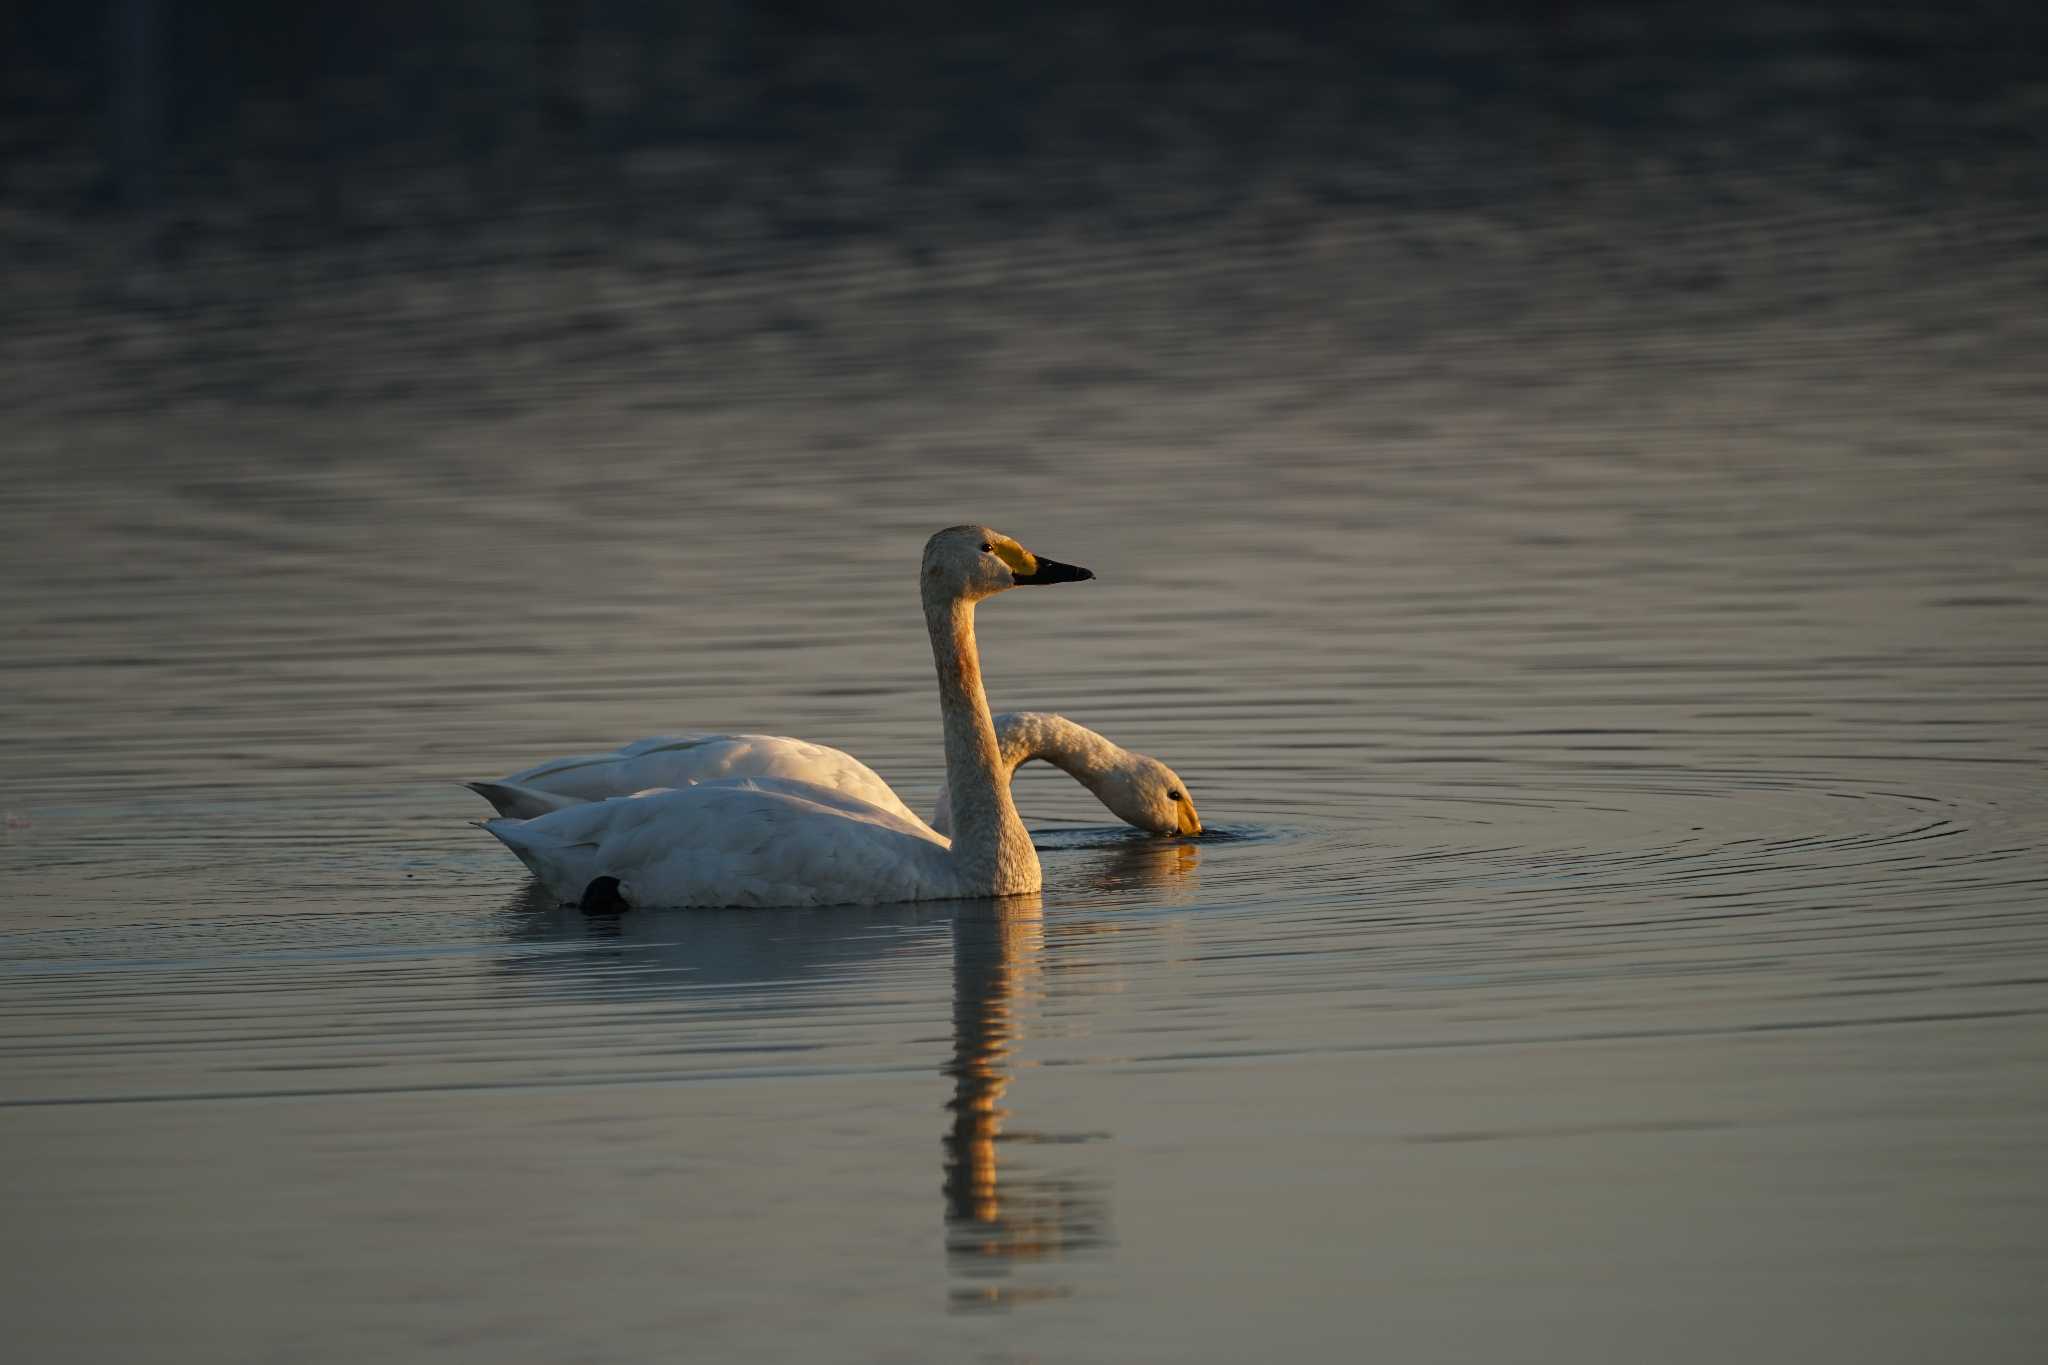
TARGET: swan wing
(685,760)
(736,842)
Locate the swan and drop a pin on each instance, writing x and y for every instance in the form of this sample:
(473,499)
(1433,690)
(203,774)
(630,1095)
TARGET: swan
(767,841)
(1137,788)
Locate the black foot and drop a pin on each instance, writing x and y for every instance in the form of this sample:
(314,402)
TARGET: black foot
(602,897)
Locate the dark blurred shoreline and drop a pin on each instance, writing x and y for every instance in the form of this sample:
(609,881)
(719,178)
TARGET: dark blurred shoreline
(371,205)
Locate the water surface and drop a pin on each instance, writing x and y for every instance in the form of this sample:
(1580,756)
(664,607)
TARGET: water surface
(1621,709)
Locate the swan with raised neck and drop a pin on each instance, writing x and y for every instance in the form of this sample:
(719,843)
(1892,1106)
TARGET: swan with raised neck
(782,842)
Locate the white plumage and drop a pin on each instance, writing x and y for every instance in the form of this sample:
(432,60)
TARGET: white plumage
(754,841)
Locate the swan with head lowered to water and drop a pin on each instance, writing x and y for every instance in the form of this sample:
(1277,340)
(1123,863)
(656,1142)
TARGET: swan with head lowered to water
(786,842)
(1137,788)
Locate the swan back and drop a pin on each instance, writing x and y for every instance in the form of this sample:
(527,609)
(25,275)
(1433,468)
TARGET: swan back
(682,761)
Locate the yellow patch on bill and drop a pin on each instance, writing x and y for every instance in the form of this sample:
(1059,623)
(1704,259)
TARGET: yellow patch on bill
(1021,561)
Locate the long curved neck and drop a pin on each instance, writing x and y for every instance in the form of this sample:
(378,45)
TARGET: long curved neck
(1074,749)
(990,847)
(1040,736)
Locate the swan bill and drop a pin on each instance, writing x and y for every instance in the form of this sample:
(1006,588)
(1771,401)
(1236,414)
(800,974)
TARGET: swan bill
(1045,570)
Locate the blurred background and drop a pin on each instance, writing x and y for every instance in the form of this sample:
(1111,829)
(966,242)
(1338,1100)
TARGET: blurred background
(1567,486)
(315,192)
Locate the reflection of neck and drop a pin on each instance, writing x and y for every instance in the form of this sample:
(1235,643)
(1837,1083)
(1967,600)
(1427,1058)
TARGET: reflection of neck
(993,954)
(990,847)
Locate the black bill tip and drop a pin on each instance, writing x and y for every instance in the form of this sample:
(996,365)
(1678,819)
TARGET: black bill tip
(1052,571)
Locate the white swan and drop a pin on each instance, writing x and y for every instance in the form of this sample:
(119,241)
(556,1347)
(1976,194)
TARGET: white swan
(1138,788)
(781,842)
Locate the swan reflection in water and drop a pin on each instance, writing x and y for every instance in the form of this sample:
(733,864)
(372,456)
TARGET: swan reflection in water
(996,1220)
(993,1222)
(1005,963)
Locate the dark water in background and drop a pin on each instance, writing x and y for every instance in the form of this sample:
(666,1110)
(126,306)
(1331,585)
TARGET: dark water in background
(1608,631)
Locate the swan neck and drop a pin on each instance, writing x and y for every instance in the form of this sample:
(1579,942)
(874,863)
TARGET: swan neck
(1073,749)
(990,846)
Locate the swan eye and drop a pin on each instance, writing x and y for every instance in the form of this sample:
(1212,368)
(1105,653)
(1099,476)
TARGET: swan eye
(987,548)
(1173,796)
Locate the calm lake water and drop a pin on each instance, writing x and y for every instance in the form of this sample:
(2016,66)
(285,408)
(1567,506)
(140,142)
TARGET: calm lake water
(1608,640)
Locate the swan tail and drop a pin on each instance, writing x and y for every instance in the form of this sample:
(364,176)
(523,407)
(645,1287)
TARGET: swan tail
(515,802)
(563,868)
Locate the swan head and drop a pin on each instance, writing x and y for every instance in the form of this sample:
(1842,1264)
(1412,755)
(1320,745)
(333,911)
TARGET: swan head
(974,562)
(1144,792)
